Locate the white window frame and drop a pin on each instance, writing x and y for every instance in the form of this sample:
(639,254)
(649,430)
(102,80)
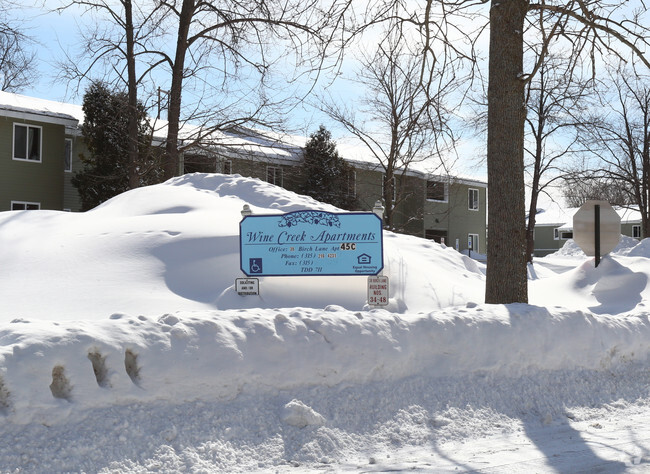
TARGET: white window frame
(445,191)
(67,159)
(475,242)
(471,191)
(556,233)
(24,204)
(277,171)
(40,143)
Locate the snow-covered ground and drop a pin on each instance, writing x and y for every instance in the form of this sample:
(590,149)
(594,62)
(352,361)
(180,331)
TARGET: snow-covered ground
(125,348)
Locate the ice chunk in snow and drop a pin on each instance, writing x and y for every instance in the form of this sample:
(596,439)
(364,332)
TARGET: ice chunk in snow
(296,413)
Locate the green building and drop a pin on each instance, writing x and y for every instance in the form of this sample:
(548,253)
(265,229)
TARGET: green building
(41,144)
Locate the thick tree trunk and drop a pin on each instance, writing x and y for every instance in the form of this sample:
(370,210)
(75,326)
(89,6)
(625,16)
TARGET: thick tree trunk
(171,163)
(133,119)
(506,265)
(644,202)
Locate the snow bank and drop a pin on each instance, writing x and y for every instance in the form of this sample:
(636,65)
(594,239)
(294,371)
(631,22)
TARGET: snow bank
(571,249)
(120,328)
(175,246)
(220,355)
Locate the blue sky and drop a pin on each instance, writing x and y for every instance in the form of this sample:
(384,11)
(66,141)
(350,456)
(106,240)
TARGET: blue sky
(56,33)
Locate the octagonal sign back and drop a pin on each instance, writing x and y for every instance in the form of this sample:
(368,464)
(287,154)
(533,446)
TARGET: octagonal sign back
(584,227)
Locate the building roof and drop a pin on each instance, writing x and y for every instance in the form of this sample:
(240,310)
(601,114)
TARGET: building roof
(41,110)
(256,145)
(556,216)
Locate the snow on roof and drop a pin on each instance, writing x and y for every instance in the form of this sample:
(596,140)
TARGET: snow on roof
(355,151)
(555,215)
(21,105)
(253,143)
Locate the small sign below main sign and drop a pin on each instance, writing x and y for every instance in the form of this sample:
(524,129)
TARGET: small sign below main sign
(311,243)
(247,286)
(378,290)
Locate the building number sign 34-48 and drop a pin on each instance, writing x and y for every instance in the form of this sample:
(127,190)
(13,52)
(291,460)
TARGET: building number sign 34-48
(311,243)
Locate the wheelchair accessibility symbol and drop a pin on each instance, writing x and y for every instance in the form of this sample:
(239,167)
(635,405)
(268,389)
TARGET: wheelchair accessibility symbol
(255,265)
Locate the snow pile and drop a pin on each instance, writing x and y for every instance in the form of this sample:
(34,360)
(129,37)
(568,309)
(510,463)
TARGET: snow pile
(175,246)
(124,347)
(571,249)
(642,249)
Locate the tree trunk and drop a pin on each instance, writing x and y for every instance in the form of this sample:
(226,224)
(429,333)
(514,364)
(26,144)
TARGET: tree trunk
(174,111)
(530,230)
(133,119)
(506,265)
(644,202)
(388,192)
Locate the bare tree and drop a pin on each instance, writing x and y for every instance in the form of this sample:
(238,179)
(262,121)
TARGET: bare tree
(242,42)
(557,109)
(580,186)
(620,139)
(110,47)
(403,118)
(590,27)
(17,63)
(221,58)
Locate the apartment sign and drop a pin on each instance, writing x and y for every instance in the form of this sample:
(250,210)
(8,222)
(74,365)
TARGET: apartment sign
(311,243)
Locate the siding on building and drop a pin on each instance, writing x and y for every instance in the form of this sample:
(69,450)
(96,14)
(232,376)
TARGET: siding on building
(32,181)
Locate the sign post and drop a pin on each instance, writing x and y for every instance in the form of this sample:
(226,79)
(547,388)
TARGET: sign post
(596,228)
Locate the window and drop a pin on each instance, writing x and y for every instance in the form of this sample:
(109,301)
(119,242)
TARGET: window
(472,242)
(226,167)
(27,142)
(198,163)
(24,206)
(67,156)
(566,234)
(439,236)
(636,231)
(274,175)
(352,183)
(436,191)
(393,183)
(472,199)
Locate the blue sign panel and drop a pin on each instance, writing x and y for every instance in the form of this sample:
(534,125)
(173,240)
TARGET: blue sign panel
(311,243)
